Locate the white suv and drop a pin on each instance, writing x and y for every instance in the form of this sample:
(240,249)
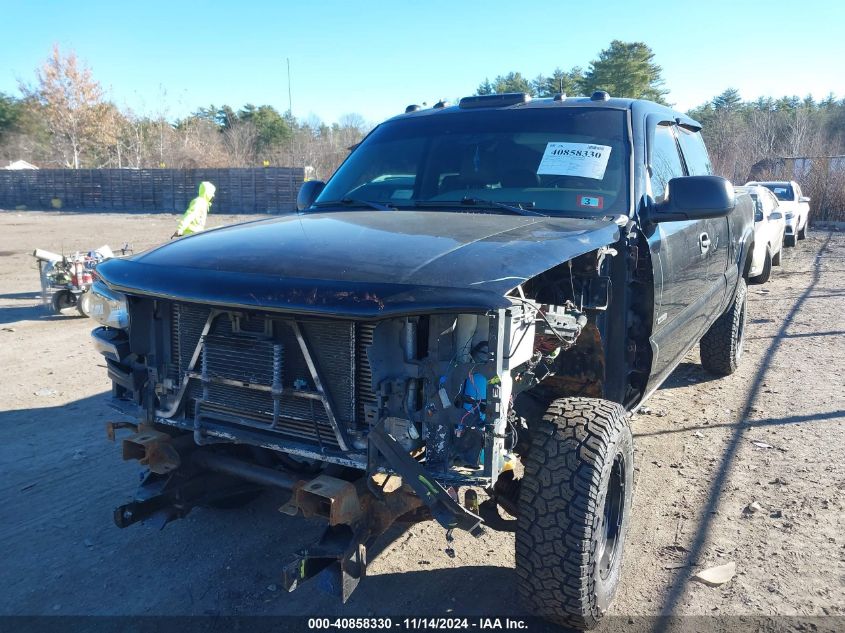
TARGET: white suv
(794,205)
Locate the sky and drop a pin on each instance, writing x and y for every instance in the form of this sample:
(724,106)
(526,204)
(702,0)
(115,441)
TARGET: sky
(374,58)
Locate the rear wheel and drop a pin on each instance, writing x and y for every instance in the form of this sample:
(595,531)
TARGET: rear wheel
(721,346)
(802,234)
(574,511)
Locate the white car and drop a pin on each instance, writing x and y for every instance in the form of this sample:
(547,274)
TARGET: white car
(794,205)
(769,229)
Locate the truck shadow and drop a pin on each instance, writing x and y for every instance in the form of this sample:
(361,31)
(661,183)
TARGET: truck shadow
(21,295)
(696,552)
(687,374)
(14,314)
(831,416)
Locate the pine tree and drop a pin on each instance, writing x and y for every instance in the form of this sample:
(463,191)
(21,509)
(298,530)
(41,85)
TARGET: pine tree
(625,69)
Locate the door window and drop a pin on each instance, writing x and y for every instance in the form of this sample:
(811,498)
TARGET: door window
(665,161)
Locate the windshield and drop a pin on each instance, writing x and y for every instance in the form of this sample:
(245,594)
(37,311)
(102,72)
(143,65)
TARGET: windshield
(552,160)
(783,192)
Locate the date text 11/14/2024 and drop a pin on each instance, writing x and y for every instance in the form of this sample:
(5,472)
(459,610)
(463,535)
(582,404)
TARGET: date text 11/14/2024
(414,624)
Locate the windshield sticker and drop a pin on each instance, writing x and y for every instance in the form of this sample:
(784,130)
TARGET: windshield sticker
(592,202)
(574,159)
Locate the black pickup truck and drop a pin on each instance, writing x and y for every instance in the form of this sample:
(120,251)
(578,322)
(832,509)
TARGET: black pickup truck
(476,300)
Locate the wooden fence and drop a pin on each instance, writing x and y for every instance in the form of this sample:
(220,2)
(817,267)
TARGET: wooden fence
(250,190)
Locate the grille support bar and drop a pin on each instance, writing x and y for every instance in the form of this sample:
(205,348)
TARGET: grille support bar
(276,389)
(318,383)
(177,403)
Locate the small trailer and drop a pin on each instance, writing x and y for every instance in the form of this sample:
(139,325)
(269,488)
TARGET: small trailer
(66,279)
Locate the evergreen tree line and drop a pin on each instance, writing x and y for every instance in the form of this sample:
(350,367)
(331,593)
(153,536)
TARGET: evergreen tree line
(62,119)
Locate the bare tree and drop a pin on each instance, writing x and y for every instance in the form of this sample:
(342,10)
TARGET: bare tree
(70,98)
(240,140)
(800,127)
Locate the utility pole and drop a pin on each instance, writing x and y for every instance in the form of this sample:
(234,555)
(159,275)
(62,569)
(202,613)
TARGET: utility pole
(290,98)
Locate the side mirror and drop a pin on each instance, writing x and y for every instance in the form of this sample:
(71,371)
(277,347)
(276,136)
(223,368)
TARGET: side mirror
(695,198)
(308,193)
(804,199)
(776,215)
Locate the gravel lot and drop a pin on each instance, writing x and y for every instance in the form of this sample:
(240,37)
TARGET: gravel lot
(773,434)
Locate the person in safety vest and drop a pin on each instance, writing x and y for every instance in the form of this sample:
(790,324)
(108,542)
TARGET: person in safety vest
(194,219)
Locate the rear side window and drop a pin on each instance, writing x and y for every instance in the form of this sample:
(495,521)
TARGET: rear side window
(665,161)
(695,152)
(759,208)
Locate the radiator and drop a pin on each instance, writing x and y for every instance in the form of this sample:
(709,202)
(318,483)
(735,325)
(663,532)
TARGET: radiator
(238,355)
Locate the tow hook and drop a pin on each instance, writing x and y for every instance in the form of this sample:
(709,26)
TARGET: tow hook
(152,449)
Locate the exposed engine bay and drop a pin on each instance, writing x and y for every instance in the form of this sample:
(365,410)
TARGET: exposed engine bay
(451,402)
(443,386)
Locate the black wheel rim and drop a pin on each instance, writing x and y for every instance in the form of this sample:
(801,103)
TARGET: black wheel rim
(610,538)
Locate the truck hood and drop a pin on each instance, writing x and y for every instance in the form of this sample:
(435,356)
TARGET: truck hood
(360,264)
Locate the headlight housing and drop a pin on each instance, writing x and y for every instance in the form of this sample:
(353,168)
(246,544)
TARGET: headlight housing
(789,216)
(108,308)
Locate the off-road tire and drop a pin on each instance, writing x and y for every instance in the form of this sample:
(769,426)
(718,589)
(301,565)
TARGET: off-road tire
(721,346)
(574,511)
(766,273)
(776,257)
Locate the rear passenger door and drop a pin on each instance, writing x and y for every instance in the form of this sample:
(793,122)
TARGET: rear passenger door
(690,257)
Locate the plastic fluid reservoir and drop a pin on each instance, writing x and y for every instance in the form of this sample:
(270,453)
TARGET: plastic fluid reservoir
(477,390)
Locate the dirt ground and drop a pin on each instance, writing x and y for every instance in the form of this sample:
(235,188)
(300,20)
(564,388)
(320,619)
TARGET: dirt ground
(707,448)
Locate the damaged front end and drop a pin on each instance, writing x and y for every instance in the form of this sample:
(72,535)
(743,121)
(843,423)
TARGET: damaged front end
(366,420)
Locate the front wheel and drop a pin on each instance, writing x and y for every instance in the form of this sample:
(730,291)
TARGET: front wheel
(776,257)
(789,240)
(766,273)
(721,345)
(802,234)
(62,300)
(574,511)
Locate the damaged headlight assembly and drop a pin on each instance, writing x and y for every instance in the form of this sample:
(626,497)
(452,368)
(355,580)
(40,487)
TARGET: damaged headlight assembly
(109,308)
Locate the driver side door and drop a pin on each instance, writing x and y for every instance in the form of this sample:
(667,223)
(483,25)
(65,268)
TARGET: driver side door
(689,259)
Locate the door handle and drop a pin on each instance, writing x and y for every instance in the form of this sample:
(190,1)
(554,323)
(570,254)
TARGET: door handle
(704,242)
